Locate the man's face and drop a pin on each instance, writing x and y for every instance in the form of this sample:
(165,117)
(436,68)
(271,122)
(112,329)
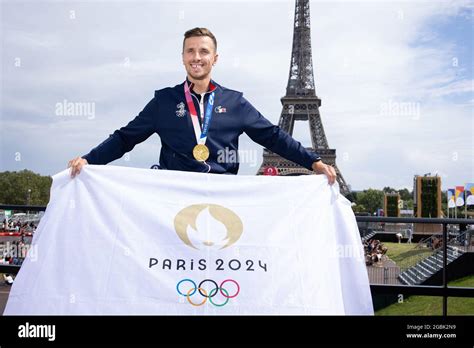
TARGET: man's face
(199,55)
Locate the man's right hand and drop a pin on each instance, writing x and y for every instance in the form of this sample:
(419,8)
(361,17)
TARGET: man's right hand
(76,165)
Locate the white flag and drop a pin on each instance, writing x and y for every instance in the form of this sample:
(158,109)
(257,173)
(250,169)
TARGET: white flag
(120,240)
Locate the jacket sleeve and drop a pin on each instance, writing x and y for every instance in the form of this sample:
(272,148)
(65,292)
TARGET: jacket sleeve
(124,139)
(263,132)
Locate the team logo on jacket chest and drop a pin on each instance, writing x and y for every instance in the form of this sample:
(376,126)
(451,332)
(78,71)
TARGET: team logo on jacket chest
(220,109)
(180,109)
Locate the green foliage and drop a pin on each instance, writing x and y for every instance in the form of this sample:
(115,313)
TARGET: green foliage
(14,188)
(405,195)
(359,208)
(392,206)
(388,189)
(429,305)
(406,255)
(444,204)
(429,197)
(371,199)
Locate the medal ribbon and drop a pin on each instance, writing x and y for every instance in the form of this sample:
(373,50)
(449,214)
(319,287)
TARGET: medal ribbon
(201,135)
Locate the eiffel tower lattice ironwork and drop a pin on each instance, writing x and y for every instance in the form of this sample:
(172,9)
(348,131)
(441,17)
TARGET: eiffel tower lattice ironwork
(302,104)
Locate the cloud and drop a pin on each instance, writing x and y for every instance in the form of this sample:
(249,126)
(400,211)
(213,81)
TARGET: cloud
(455,87)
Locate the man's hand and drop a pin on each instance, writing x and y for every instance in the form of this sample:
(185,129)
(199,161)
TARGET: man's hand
(321,168)
(76,165)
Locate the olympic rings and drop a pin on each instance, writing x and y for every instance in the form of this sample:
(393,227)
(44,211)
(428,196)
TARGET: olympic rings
(201,290)
(222,304)
(207,280)
(186,280)
(233,281)
(196,304)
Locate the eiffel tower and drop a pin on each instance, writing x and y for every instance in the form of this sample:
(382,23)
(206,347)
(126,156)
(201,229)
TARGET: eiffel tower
(302,104)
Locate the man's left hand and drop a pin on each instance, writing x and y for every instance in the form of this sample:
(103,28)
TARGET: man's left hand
(321,168)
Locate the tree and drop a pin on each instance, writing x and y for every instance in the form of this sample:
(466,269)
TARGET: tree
(444,204)
(371,199)
(405,195)
(388,189)
(14,188)
(359,208)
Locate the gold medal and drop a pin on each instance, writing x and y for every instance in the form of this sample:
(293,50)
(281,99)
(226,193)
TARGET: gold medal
(201,152)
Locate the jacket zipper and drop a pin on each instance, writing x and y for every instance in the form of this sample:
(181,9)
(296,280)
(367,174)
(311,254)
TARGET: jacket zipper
(201,103)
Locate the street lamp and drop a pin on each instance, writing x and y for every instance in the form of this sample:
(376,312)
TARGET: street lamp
(28,198)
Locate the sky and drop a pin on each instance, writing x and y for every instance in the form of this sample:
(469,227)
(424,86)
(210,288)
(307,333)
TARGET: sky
(395,79)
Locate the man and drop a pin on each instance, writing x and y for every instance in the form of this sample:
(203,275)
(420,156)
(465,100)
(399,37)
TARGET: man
(198,119)
(409,234)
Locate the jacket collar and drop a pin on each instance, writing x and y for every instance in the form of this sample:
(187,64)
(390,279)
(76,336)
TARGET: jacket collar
(212,86)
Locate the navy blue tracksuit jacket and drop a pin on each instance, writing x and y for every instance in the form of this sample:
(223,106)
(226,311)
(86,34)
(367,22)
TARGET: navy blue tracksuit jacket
(168,116)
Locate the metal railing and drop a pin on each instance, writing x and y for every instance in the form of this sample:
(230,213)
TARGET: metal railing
(22,207)
(443,290)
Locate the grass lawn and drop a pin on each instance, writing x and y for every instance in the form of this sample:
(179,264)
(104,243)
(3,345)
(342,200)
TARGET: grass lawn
(405,255)
(429,305)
